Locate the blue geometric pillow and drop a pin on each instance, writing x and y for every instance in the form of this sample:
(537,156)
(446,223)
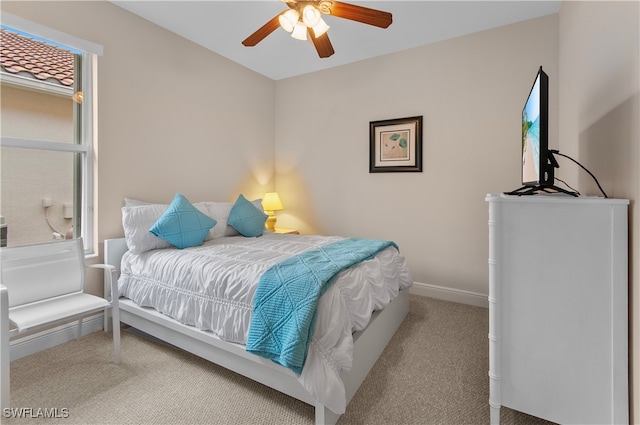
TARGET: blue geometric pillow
(182,225)
(246,218)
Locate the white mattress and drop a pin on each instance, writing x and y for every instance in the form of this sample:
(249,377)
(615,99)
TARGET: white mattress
(211,287)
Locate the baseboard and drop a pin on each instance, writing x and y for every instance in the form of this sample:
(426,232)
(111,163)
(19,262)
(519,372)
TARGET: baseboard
(31,344)
(450,294)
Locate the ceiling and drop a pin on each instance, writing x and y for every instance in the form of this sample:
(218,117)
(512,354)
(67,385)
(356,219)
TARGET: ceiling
(220,26)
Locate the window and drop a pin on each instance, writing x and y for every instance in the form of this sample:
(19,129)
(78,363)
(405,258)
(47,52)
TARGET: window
(48,133)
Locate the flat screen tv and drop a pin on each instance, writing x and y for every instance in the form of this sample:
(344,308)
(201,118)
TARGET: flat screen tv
(537,166)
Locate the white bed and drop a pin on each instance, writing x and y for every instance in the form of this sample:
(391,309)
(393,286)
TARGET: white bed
(357,315)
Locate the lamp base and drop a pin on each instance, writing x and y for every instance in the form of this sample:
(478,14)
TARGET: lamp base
(271,220)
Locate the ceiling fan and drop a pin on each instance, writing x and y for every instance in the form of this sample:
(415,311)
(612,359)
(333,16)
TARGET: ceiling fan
(304,19)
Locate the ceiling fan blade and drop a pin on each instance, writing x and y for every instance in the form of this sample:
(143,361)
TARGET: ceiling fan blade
(322,44)
(362,14)
(262,32)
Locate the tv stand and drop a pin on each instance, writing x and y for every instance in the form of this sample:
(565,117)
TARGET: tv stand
(532,190)
(548,174)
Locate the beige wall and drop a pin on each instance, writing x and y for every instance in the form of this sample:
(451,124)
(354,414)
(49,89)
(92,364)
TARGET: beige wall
(470,92)
(600,125)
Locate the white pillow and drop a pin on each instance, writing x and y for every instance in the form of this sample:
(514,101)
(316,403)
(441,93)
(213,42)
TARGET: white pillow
(137,220)
(128,202)
(219,211)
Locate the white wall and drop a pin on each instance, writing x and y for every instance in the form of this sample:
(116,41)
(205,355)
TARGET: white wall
(599,113)
(470,91)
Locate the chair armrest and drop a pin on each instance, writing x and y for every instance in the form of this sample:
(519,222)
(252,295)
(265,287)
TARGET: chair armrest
(110,288)
(110,283)
(103,266)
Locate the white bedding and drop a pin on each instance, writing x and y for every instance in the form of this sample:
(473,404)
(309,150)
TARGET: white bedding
(211,287)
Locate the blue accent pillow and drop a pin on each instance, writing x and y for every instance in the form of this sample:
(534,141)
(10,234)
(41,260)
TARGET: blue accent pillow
(246,218)
(182,224)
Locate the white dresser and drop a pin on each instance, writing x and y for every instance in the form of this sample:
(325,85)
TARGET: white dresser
(558,308)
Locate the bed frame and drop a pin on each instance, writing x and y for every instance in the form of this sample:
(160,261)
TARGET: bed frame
(368,343)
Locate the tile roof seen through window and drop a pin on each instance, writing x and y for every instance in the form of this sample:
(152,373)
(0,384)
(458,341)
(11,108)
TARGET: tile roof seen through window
(35,59)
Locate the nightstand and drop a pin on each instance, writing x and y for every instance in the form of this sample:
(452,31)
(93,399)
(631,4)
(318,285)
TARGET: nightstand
(284,231)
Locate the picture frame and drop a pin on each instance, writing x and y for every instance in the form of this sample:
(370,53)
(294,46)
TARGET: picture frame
(395,145)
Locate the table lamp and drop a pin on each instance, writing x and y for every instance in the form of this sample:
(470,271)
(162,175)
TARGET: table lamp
(271,203)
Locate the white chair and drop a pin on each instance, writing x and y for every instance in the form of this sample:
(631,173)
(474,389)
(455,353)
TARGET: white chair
(43,285)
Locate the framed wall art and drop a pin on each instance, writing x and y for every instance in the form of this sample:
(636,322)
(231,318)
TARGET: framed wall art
(395,145)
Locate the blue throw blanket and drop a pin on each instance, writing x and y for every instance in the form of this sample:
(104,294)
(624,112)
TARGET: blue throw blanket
(284,306)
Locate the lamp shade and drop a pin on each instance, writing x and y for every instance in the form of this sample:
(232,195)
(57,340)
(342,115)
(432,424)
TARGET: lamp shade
(310,16)
(320,28)
(288,19)
(271,202)
(299,31)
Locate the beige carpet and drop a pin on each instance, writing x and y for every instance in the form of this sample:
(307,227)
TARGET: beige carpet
(434,371)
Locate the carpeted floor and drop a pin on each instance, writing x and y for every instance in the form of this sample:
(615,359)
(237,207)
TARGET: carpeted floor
(434,371)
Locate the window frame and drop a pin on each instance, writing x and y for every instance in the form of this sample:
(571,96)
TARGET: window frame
(86,131)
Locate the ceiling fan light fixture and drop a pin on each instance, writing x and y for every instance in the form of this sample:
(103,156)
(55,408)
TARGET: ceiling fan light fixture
(304,22)
(288,19)
(299,31)
(320,28)
(310,16)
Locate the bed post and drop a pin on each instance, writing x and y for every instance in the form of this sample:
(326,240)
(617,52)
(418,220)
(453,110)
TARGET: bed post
(324,416)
